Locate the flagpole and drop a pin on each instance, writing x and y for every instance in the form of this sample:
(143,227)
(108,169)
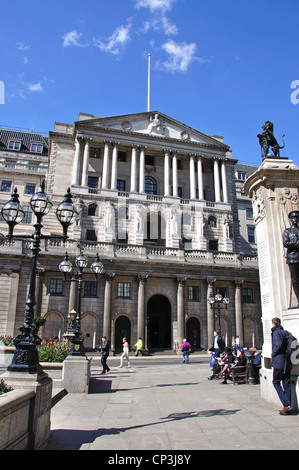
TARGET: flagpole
(149,82)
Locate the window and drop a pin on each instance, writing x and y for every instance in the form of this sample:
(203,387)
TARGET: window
(14,145)
(91,235)
(213,245)
(124,289)
(150,185)
(33,167)
(37,148)
(122,156)
(149,160)
(6,186)
(90,288)
(92,209)
(249,213)
(212,221)
(56,286)
(94,152)
(121,185)
(247,295)
(241,175)
(93,182)
(30,188)
(28,215)
(193,293)
(10,164)
(251,234)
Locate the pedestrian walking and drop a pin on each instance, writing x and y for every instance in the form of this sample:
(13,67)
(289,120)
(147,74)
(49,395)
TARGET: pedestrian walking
(139,346)
(186,349)
(281,366)
(125,354)
(105,353)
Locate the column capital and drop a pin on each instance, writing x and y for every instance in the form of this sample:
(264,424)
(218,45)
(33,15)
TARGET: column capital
(211,281)
(109,277)
(142,278)
(181,280)
(239,283)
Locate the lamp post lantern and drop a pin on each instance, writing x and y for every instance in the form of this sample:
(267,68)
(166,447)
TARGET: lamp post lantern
(26,355)
(66,267)
(219,300)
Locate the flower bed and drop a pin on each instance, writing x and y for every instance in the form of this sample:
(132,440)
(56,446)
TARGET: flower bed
(53,351)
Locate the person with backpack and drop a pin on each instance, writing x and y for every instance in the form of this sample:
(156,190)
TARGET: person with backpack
(282,365)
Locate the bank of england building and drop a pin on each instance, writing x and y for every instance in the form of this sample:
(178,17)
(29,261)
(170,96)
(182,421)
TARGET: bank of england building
(161,204)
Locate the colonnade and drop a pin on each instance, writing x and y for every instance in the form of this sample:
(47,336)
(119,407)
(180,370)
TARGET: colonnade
(141,307)
(110,170)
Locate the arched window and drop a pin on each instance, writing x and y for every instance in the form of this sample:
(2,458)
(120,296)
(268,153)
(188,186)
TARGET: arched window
(150,185)
(212,221)
(92,208)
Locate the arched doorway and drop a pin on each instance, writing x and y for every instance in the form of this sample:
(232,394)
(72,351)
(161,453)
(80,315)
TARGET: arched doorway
(158,323)
(89,330)
(193,332)
(122,330)
(53,328)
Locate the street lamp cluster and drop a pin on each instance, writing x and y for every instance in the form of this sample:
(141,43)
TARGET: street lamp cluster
(220,300)
(26,355)
(66,268)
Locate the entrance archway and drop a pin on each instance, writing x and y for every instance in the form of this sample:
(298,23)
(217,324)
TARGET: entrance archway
(193,332)
(158,323)
(122,330)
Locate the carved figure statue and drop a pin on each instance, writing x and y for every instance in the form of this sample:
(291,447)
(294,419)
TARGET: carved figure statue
(156,123)
(268,140)
(291,242)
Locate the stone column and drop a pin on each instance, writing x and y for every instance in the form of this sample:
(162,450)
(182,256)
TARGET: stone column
(166,173)
(174,175)
(73,295)
(38,290)
(105,165)
(192,178)
(238,311)
(200,178)
(217,181)
(180,309)
(114,166)
(210,312)
(107,305)
(133,188)
(76,164)
(84,181)
(142,170)
(224,181)
(141,307)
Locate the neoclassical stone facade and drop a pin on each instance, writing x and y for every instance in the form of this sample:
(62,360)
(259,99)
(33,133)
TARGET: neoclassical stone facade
(158,201)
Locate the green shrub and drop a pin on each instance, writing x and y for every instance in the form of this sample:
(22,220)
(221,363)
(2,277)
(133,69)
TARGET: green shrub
(4,388)
(53,351)
(6,341)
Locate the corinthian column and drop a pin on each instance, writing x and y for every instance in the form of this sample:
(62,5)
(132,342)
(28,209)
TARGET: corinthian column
(141,307)
(166,173)
(133,188)
(105,166)
(142,170)
(210,312)
(224,182)
(180,309)
(175,175)
(200,178)
(192,178)
(107,305)
(238,311)
(76,165)
(114,167)
(84,180)
(217,180)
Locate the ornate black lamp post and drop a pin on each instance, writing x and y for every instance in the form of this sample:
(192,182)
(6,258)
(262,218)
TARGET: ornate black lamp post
(26,355)
(66,267)
(219,301)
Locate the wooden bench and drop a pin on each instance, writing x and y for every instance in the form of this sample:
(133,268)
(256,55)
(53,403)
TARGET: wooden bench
(240,376)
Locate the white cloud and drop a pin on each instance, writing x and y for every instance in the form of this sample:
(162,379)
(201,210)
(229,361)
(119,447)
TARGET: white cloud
(35,87)
(155,5)
(23,47)
(118,39)
(72,39)
(181,55)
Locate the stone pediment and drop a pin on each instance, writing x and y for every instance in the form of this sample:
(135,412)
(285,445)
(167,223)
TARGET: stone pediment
(152,124)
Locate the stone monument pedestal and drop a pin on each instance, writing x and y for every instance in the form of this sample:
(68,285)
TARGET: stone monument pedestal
(274,192)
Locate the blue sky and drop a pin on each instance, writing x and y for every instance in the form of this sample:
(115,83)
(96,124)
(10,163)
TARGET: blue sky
(222,67)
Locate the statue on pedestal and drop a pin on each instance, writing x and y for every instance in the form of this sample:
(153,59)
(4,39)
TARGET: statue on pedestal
(268,140)
(291,242)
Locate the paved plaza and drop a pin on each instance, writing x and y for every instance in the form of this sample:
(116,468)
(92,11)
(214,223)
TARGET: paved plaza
(162,404)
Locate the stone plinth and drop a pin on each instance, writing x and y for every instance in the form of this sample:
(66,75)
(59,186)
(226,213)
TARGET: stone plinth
(274,192)
(76,374)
